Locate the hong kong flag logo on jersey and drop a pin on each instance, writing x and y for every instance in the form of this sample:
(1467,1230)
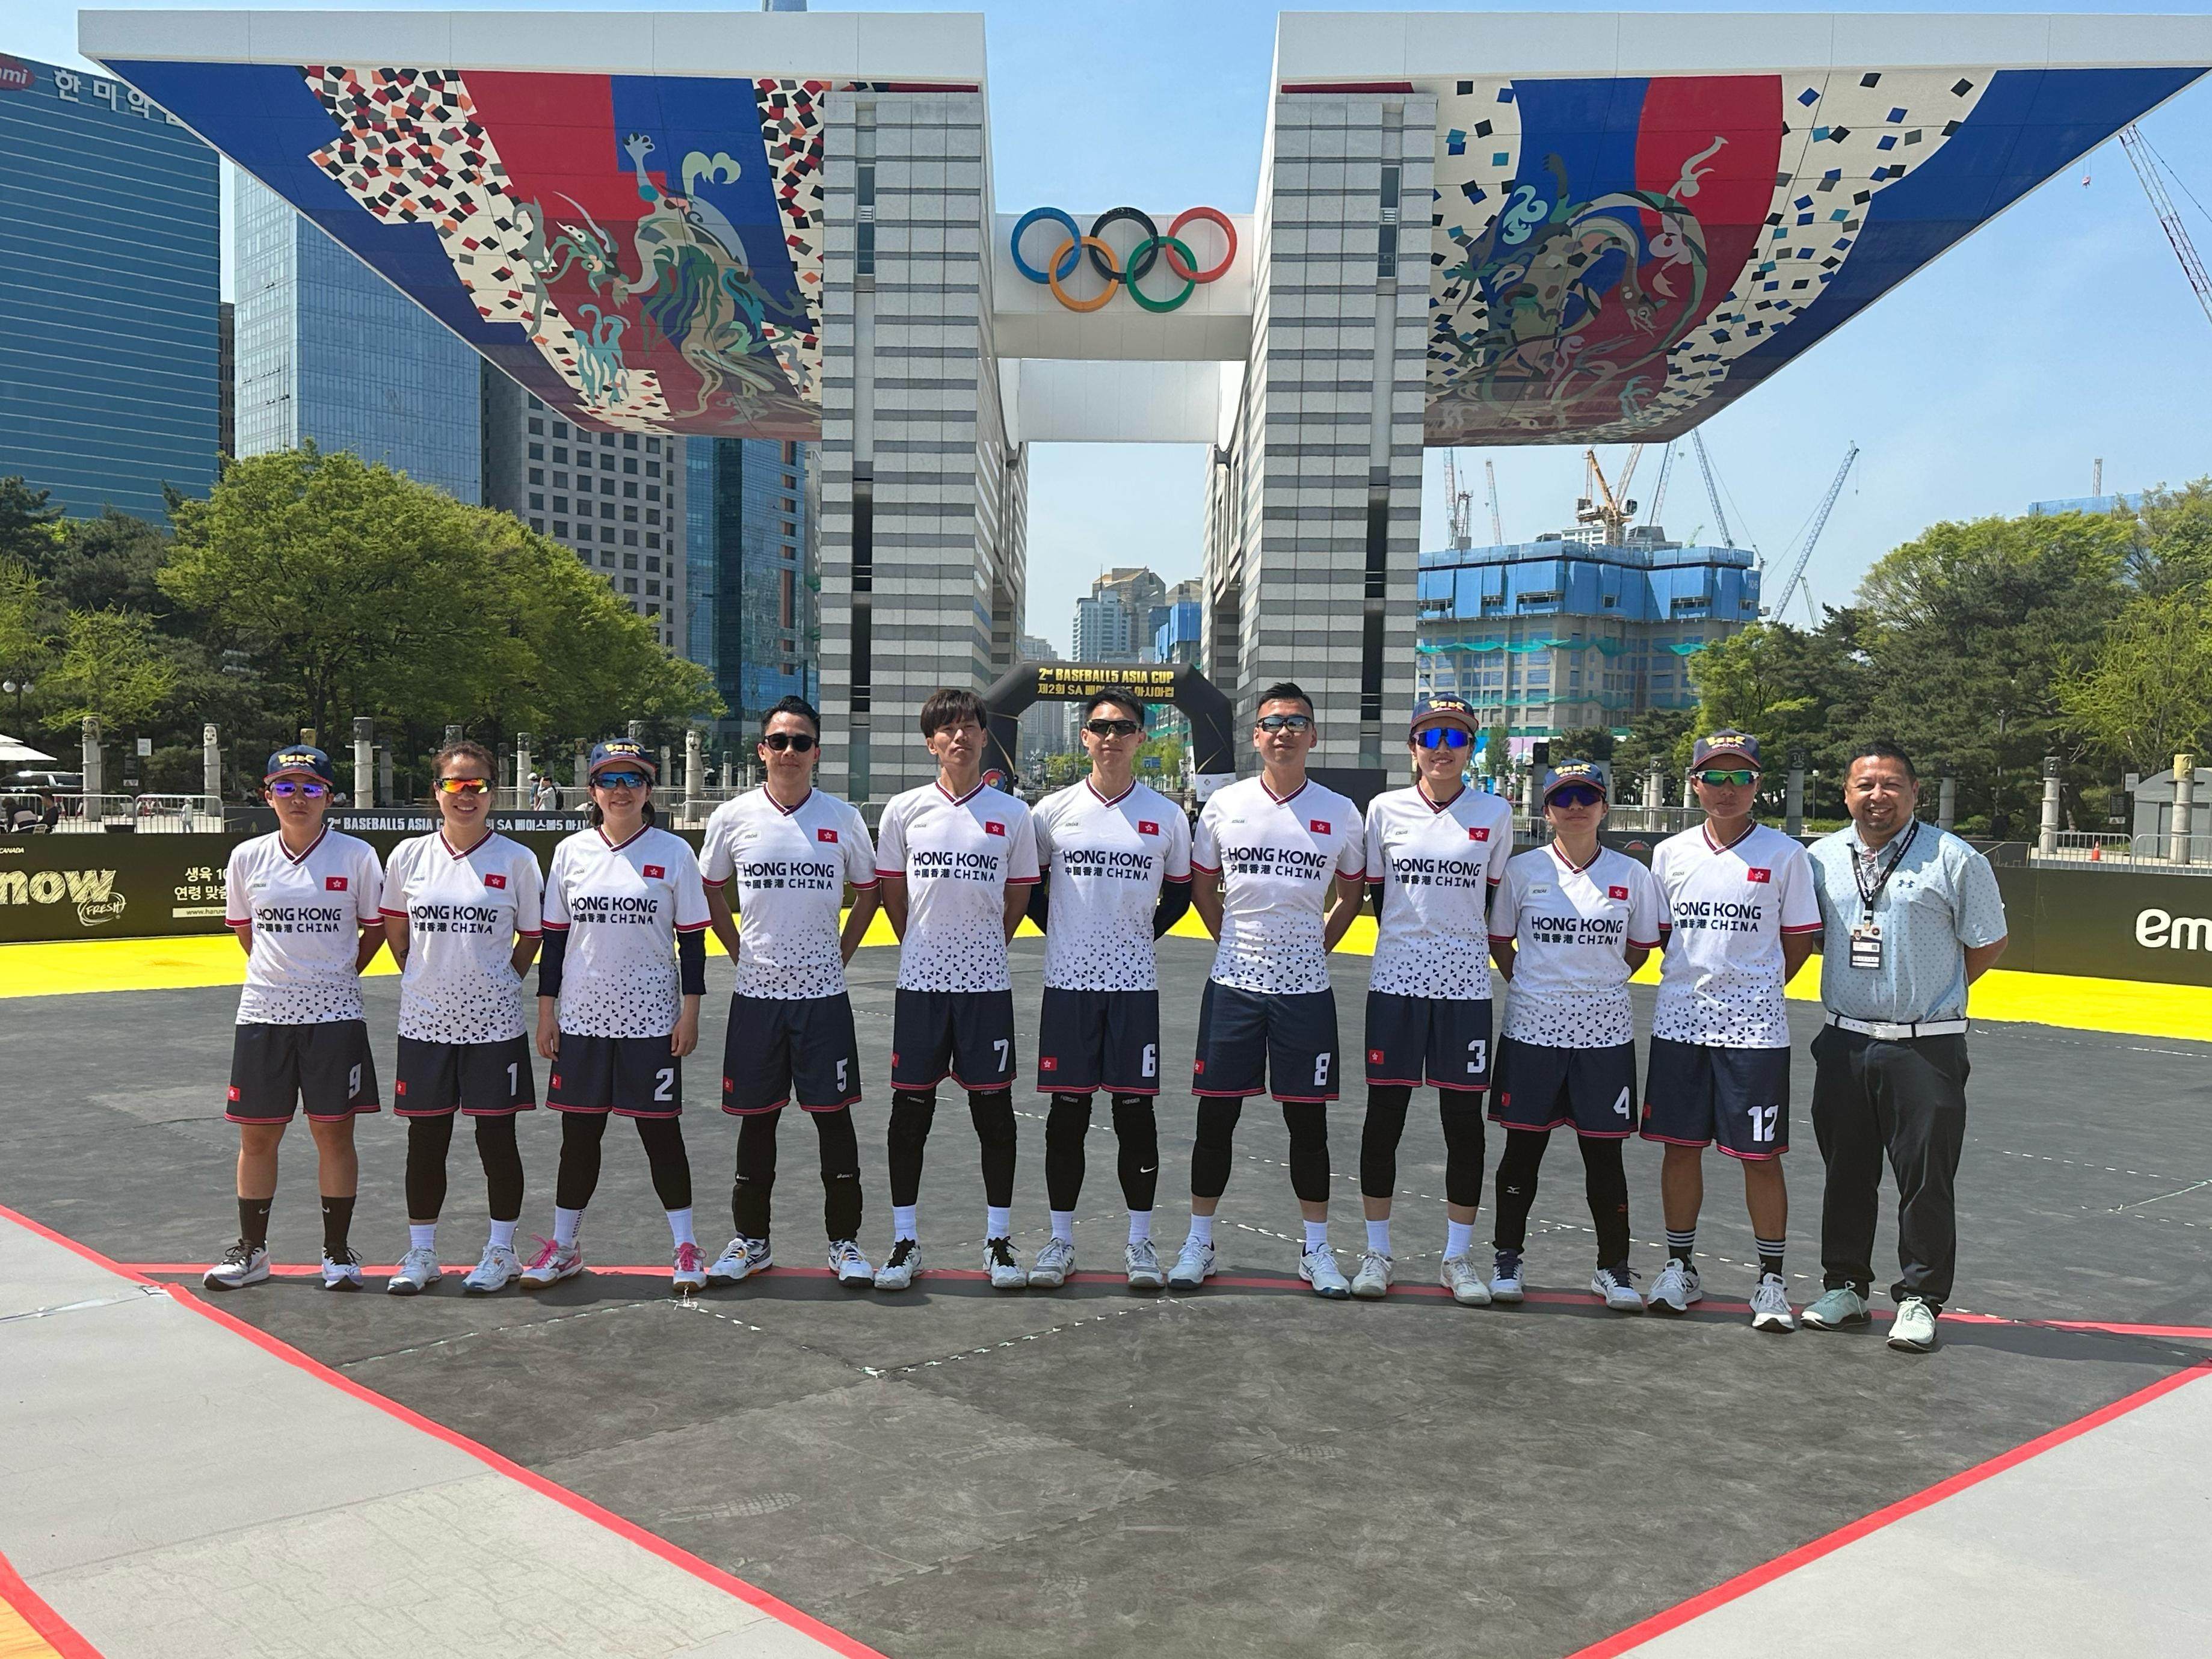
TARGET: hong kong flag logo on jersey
(829,836)
(992,827)
(1616,892)
(1146,827)
(495,881)
(399,1087)
(1047,1063)
(1478,832)
(1374,1056)
(1319,826)
(334,883)
(654,872)
(233,1094)
(1759,875)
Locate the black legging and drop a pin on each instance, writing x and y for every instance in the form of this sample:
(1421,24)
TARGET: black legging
(581,1134)
(1604,1179)
(1136,1134)
(1306,1120)
(912,1111)
(429,1140)
(1461,1112)
(755,1179)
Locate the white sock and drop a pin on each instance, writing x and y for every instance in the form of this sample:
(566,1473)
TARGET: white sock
(419,1237)
(565,1224)
(997,1223)
(1063,1226)
(502,1235)
(902,1222)
(1459,1237)
(1140,1225)
(679,1225)
(1378,1236)
(1202,1229)
(1317,1234)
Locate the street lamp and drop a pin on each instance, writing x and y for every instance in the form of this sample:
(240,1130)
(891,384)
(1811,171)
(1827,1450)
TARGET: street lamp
(17,688)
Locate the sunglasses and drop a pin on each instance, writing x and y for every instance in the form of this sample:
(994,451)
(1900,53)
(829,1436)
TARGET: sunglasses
(1575,794)
(1718,779)
(462,786)
(285,788)
(620,781)
(1443,737)
(781,741)
(1103,728)
(1285,722)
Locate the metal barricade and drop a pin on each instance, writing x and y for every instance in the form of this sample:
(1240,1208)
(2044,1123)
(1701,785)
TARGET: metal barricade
(2089,847)
(151,815)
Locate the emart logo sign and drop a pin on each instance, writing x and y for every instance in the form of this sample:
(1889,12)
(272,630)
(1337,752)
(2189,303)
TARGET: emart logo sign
(2158,930)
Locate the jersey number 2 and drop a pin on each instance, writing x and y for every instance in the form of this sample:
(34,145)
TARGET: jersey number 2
(663,1084)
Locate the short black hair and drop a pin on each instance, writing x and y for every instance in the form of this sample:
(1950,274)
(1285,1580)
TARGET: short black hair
(798,705)
(1882,748)
(1115,694)
(949,707)
(1284,692)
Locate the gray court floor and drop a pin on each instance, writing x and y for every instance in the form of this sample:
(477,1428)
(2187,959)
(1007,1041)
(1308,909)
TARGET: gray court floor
(1243,1471)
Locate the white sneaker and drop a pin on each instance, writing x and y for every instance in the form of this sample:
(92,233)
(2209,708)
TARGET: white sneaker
(1676,1289)
(242,1264)
(1913,1330)
(1505,1277)
(1143,1261)
(553,1263)
(1617,1290)
(1194,1265)
(1372,1282)
(687,1269)
(1463,1280)
(1317,1267)
(745,1257)
(499,1269)
(902,1266)
(851,1267)
(342,1273)
(418,1272)
(1769,1305)
(1003,1263)
(1055,1265)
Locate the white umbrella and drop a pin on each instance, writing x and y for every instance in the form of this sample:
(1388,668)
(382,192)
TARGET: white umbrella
(16,749)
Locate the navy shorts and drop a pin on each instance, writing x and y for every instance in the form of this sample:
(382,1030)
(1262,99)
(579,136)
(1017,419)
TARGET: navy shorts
(1445,1040)
(482,1079)
(1540,1087)
(631,1076)
(1247,1040)
(776,1047)
(1092,1040)
(1694,1095)
(325,1067)
(966,1035)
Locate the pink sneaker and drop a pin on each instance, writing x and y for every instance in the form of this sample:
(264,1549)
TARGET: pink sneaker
(552,1264)
(691,1273)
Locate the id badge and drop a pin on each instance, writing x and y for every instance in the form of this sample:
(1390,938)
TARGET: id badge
(1866,945)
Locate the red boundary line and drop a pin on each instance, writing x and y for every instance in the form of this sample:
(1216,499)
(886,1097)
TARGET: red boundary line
(752,1595)
(46,1624)
(1743,1583)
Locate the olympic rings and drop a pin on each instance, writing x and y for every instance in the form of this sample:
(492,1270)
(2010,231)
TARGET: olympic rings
(1152,247)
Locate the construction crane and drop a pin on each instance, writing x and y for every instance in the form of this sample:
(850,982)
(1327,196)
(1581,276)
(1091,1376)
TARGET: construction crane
(2145,162)
(1459,504)
(1497,524)
(1603,506)
(1812,535)
(1659,495)
(1712,489)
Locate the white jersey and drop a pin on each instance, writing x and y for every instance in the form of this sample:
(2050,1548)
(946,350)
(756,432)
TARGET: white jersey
(1720,982)
(958,857)
(1570,929)
(1106,861)
(1437,867)
(463,911)
(307,913)
(622,907)
(792,863)
(1277,861)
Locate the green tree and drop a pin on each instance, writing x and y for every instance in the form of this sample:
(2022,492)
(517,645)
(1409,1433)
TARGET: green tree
(112,562)
(110,666)
(22,640)
(2145,694)
(28,521)
(2174,551)
(1584,743)
(1660,735)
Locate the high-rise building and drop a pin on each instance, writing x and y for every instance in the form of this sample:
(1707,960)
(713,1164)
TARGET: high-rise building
(1047,727)
(226,376)
(751,580)
(330,353)
(109,262)
(1114,623)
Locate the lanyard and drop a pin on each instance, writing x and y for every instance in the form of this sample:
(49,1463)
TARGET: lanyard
(1868,895)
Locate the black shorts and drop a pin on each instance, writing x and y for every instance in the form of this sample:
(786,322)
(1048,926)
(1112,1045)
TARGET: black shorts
(326,1068)
(484,1080)
(1247,1040)
(631,1076)
(1541,1088)
(1694,1095)
(1092,1040)
(966,1035)
(776,1047)
(1446,1039)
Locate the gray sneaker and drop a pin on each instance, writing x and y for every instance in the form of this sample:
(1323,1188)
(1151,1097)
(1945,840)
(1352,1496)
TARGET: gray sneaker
(1464,1280)
(743,1259)
(901,1268)
(1769,1305)
(1836,1309)
(242,1264)
(1505,1277)
(1142,1258)
(1317,1267)
(1913,1330)
(418,1272)
(1003,1262)
(1054,1265)
(1372,1282)
(1676,1289)
(1194,1265)
(499,1269)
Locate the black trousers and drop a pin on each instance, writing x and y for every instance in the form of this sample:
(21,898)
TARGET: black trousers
(1906,1100)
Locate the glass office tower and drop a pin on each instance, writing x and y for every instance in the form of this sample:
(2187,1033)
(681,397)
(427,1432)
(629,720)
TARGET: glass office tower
(752,594)
(108,274)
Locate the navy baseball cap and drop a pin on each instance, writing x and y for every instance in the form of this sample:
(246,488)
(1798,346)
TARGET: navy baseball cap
(1577,771)
(621,752)
(300,759)
(1443,705)
(1726,741)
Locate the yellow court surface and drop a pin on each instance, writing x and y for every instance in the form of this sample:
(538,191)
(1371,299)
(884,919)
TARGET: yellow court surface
(2125,1007)
(19,1641)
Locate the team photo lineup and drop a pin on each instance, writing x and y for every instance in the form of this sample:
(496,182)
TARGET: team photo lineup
(1277,868)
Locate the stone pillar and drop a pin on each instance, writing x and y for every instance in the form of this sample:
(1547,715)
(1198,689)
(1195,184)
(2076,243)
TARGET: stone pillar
(94,783)
(522,771)
(211,767)
(2046,840)
(2185,794)
(1793,798)
(1947,802)
(364,762)
(383,789)
(452,734)
(695,768)
(1655,794)
(583,762)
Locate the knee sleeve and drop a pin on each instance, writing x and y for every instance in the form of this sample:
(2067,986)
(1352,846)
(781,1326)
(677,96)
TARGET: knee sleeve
(992,1112)
(1461,1112)
(670,1162)
(1065,1127)
(428,1142)
(1606,1180)
(1308,1123)
(1516,1186)
(1137,1160)
(1379,1137)
(503,1166)
(754,1182)
(1209,1157)
(913,1110)
(582,1134)
(840,1172)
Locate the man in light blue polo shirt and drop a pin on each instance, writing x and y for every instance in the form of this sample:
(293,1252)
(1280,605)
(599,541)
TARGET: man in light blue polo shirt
(1910,917)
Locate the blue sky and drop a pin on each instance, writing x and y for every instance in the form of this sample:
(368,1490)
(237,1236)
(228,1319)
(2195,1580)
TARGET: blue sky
(2062,331)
